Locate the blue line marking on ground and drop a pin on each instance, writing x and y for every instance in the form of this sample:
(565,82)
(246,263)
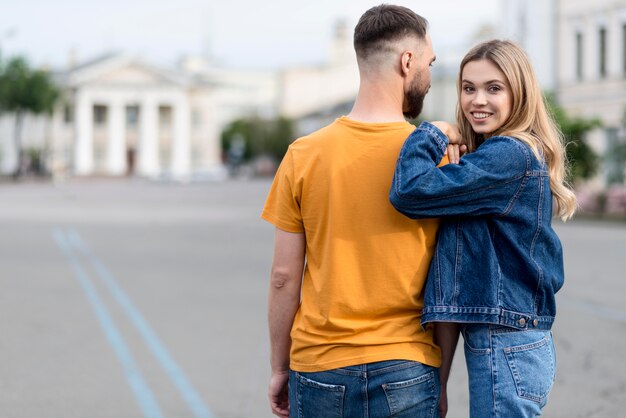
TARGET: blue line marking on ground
(142,392)
(174,372)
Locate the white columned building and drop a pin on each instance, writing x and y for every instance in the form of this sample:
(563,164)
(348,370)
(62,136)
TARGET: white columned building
(120,116)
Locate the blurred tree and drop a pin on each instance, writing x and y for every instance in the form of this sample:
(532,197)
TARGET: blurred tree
(281,134)
(236,142)
(25,90)
(245,139)
(583,160)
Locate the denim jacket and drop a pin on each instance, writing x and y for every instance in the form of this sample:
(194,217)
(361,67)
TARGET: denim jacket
(498,260)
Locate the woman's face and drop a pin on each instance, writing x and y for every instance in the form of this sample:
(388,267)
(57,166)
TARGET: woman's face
(486,98)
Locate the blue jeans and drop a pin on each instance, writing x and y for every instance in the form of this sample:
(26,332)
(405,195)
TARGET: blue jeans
(511,372)
(395,388)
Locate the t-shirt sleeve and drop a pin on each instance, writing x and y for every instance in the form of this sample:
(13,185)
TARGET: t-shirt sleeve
(282,206)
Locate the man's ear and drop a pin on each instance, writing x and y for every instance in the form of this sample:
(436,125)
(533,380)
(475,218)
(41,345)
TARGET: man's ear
(406,61)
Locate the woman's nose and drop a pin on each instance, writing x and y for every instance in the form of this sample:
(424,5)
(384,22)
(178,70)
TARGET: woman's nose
(480,98)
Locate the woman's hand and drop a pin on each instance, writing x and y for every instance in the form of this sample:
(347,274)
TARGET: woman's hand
(456,144)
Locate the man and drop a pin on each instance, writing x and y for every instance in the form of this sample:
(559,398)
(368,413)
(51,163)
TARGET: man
(346,283)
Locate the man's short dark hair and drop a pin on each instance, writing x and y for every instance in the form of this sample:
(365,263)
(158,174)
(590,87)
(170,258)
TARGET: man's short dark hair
(386,23)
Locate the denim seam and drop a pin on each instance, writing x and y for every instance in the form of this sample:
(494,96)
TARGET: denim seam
(494,371)
(411,382)
(511,203)
(438,276)
(299,403)
(436,135)
(457,267)
(526,347)
(435,405)
(365,388)
(346,372)
(532,246)
(522,185)
(395,368)
(315,384)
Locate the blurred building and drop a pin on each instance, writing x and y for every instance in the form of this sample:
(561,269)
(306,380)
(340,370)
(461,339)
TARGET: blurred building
(121,116)
(591,75)
(532,24)
(578,49)
(310,90)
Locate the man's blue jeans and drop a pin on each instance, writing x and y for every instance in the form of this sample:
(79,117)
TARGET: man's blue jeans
(511,372)
(395,388)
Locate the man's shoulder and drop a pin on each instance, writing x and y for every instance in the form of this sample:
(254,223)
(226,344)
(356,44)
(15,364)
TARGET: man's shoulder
(325,133)
(343,128)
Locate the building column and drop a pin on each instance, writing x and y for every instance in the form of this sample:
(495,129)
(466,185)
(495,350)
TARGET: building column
(614,50)
(83,147)
(566,61)
(116,147)
(181,158)
(148,153)
(591,49)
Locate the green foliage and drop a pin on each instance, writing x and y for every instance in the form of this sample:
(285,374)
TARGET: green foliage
(583,160)
(23,89)
(244,139)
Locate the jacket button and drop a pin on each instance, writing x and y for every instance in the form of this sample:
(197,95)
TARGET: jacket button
(522,322)
(535,322)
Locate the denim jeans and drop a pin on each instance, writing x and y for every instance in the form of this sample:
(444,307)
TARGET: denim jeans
(395,388)
(511,372)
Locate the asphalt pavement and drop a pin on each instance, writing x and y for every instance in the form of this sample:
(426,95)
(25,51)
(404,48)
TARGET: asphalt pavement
(125,298)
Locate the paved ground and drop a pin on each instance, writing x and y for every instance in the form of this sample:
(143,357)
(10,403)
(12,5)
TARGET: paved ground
(133,299)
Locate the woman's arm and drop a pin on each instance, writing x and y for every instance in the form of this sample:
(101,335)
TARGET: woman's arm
(484,182)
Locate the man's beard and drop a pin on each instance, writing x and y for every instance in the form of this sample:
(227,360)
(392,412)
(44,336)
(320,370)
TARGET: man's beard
(414,100)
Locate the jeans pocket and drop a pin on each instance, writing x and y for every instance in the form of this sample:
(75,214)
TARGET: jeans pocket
(413,398)
(476,342)
(533,368)
(318,400)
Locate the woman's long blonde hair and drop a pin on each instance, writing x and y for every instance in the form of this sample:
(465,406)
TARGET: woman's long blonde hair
(529,121)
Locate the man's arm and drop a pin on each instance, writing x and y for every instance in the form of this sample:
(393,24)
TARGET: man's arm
(284,299)
(446,337)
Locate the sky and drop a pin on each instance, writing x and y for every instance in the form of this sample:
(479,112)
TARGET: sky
(242,34)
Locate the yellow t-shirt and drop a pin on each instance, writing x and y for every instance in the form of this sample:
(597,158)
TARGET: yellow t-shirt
(365,263)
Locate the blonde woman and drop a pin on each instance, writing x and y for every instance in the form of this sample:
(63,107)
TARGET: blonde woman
(498,262)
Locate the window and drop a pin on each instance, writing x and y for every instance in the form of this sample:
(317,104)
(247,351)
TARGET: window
(132,116)
(615,157)
(602,39)
(196,119)
(100,114)
(68,114)
(579,56)
(165,116)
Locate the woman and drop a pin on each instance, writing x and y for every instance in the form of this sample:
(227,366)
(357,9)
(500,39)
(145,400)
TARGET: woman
(498,262)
